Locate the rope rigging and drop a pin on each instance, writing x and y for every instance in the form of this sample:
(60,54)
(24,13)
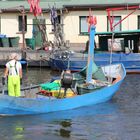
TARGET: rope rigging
(113,24)
(37,11)
(57,28)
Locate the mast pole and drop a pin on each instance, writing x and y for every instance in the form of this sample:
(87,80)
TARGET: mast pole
(90,54)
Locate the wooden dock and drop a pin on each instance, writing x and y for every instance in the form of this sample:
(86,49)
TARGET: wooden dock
(35,58)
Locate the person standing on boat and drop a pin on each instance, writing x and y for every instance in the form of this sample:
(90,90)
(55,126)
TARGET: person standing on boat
(13,71)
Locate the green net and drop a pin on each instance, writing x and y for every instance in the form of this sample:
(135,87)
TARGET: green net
(51,86)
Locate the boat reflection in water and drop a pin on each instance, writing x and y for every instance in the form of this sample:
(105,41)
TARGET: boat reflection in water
(79,123)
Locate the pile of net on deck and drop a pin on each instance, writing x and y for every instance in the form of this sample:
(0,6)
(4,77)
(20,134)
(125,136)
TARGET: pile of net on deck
(49,86)
(53,89)
(97,73)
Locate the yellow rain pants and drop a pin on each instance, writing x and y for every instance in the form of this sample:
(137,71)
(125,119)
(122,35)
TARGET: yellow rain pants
(14,85)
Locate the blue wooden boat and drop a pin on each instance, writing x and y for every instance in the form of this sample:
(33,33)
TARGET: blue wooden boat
(33,103)
(62,60)
(126,50)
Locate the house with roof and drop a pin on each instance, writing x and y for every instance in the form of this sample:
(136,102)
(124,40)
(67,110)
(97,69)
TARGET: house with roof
(73,18)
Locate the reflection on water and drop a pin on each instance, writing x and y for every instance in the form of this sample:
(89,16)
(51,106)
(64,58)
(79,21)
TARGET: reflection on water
(65,130)
(74,124)
(118,119)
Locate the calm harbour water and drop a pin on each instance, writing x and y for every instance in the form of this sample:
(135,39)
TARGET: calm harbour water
(118,119)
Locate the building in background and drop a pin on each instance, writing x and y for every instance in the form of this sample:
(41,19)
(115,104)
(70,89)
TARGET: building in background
(73,18)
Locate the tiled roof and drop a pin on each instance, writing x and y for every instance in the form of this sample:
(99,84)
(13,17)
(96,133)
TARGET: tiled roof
(45,4)
(101,2)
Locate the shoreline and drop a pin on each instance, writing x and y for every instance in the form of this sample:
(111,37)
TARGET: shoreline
(35,58)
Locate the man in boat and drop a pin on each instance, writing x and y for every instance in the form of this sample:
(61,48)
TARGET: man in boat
(13,71)
(66,81)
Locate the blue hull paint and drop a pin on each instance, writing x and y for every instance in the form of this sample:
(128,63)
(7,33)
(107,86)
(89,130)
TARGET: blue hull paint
(131,61)
(35,106)
(23,106)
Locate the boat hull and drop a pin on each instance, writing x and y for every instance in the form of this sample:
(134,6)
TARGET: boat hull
(76,62)
(20,106)
(23,106)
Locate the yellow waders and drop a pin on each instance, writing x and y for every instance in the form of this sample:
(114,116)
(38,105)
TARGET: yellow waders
(14,85)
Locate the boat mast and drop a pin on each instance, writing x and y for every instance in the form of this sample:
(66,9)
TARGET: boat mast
(92,23)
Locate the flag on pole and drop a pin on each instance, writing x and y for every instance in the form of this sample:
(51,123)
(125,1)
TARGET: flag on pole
(34,7)
(53,16)
(91,20)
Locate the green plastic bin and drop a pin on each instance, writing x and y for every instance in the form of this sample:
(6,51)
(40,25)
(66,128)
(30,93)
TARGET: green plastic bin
(14,41)
(5,42)
(0,42)
(30,42)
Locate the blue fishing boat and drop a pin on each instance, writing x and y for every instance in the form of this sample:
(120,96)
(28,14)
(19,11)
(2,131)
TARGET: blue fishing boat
(92,85)
(74,61)
(33,103)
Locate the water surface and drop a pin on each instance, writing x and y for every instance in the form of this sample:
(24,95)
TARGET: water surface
(118,119)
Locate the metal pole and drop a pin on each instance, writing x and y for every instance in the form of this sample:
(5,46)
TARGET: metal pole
(23,33)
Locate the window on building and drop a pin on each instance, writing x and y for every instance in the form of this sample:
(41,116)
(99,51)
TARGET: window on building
(83,25)
(138,22)
(116,20)
(20,23)
(59,19)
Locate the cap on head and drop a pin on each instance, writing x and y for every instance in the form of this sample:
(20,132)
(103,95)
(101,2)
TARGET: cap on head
(13,56)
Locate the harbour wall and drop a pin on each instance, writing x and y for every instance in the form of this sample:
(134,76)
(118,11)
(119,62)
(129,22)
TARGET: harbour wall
(35,58)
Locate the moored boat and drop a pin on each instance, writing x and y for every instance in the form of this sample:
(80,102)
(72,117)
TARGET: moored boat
(34,103)
(75,61)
